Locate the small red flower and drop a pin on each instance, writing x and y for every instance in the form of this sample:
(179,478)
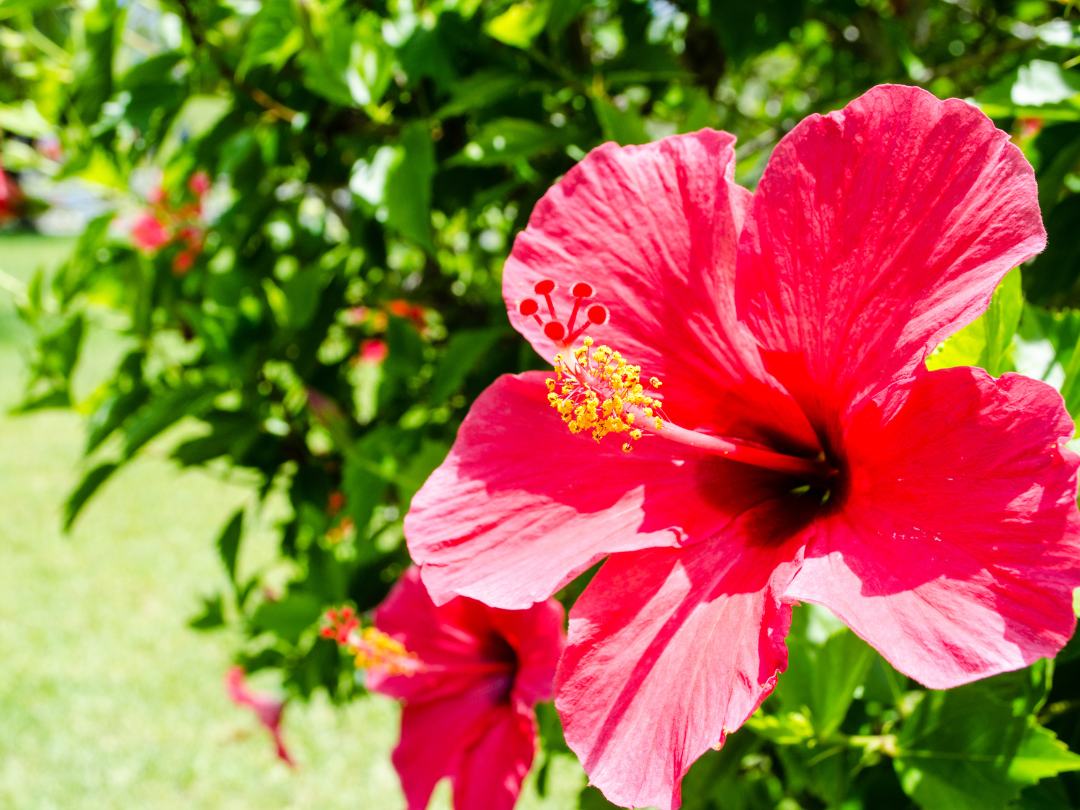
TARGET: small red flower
(266,708)
(183,261)
(373,351)
(164,224)
(149,233)
(415,313)
(199,183)
(798,449)
(469,676)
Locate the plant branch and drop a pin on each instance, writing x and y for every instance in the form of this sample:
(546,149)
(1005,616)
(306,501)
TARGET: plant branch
(259,96)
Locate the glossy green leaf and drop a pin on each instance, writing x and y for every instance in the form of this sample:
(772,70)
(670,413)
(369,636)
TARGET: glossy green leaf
(228,543)
(1040,88)
(624,126)
(275,36)
(289,616)
(987,341)
(90,484)
(520,23)
(827,663)
(967,748)
(408,186)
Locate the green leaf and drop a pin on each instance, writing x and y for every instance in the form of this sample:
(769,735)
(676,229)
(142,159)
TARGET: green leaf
(211,616)
(622,126)
(1053,279)
(397,179)
(348,64)
(987,341)
(418,468)
(366,476)
(228,543)
(826,664)
(288,617)
(1041,755)
(520,24)
(24,119)
(96,34)
(464,350)
(163,411)
(11,8)
(1070,388)
(970,748)
(90,484)
(1038,88)
(480,90)
(506,140)
(408,186)
(274,37)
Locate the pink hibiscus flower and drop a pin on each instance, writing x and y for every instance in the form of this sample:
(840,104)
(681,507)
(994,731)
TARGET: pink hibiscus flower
(469,676)
(798,451)
(267,708)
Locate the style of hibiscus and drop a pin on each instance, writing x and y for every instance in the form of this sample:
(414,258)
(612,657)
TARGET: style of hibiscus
(266,708)
(164,224)
(740,419)
(469,676)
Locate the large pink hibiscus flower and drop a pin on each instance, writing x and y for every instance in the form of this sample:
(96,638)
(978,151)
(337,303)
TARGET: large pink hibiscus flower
(798,449)
(469,678)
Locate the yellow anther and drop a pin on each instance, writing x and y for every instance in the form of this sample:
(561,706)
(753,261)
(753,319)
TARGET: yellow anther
(655,382)
(374,650)
(595,390)
(627,447)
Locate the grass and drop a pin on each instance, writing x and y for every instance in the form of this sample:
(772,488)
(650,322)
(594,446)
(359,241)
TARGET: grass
(107,699)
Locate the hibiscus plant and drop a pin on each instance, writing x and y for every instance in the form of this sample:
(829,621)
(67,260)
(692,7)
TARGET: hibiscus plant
(672,400)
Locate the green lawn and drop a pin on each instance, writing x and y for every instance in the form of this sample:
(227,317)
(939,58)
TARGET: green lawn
(107,699)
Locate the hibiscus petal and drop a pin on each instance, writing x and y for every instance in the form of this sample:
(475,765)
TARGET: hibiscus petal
(521,505)
(537,636)
(877,231)
(652,231)
(457,644)
(670,650)
(957,547)
(435,736)
(490,773)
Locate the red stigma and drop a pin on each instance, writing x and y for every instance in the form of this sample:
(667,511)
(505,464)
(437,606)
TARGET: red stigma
(598,314)
(582,290)
(557,330)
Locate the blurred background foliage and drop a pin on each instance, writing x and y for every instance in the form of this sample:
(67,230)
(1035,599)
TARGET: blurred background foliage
(294,214)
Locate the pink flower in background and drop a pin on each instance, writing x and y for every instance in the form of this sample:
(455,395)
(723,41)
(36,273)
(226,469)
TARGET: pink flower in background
(199,184)
(373,351)
(163,225)
(11,197)
(149,233)
(266,708)
(777,436)
(469,676)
